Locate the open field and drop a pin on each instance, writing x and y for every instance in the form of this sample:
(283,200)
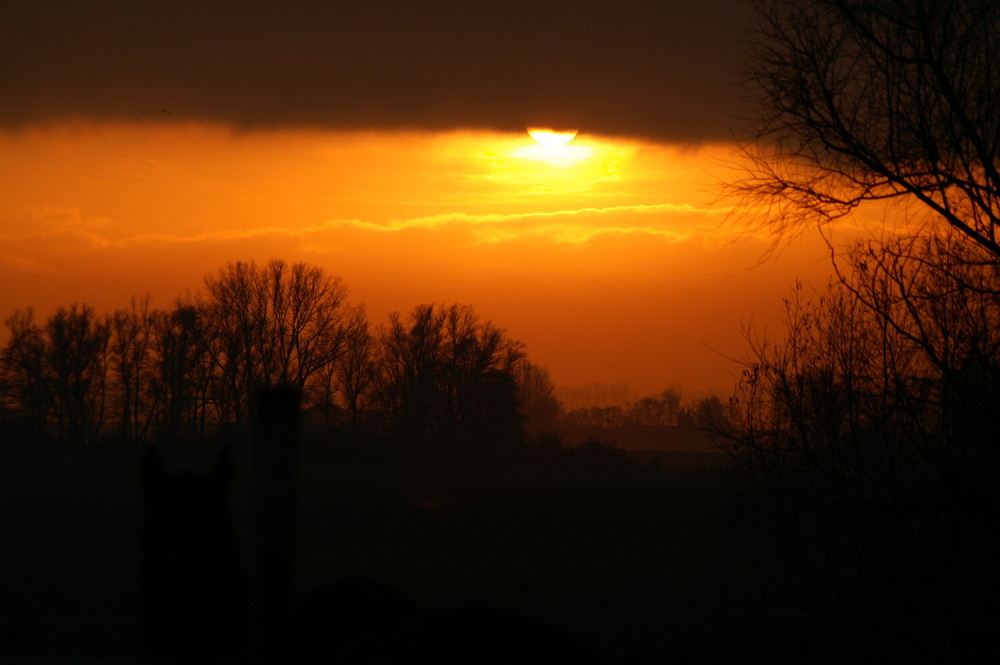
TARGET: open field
(644,565)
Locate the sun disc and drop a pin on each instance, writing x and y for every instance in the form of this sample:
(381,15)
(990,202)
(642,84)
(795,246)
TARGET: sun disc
(552,137)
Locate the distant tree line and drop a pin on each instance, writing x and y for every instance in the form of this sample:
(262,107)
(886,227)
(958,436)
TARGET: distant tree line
(595,394)
(663,409)
(142,374)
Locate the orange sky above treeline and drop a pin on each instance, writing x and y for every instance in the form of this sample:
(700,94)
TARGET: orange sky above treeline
(613,263)
(143,145)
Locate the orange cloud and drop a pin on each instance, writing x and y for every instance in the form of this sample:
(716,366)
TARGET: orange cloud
(666,220)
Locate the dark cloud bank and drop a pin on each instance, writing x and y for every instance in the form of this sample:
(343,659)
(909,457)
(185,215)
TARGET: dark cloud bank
(664,70)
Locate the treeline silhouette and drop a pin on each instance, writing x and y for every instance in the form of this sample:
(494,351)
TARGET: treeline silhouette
(438,376)
(661,410)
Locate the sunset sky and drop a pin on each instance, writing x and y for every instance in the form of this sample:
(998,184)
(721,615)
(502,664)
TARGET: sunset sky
(143,145)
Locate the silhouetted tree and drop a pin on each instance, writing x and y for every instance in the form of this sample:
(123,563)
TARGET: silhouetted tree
(867,435)
(357,374)
(448,378)
(141,373)
(659,409)
(652,410)
(710,414)
(276,325)
(76,352)
(409,360)
(26,375)
(599,416)
(869,100)
(179,373)
(131,336)
(878,420)
(536,395)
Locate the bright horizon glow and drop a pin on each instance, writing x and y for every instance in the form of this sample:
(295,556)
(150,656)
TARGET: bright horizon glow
(552,137)
(551,146)
(557,155)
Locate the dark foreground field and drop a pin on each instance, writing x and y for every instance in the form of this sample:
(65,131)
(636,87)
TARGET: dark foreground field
(643,565)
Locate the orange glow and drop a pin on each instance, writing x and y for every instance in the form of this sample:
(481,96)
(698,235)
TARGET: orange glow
(557,155)
(611,261)
(551,147)
(552,137)
(558,168)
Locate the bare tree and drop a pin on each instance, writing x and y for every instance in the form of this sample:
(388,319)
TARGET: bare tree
(276,324)
(26,375)
(867,435)
(449,378)
(651,410)
(409,362)
(131,335)
(868,100)
(357,373)
(76,349)
(239,320)
(342,388)
(711,414)
(887,100)
(536,395)
(177,381)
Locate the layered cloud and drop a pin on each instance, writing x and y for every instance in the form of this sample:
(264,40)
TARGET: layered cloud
(655,69)
(669,222)
(65,234)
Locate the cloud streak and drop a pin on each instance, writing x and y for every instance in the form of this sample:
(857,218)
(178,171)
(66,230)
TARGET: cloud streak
(668,222)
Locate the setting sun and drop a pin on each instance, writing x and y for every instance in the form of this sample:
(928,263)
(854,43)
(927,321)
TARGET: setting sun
(552,147)
(552,137)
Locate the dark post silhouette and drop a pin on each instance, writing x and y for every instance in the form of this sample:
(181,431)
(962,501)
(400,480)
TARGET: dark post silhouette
(275,443)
